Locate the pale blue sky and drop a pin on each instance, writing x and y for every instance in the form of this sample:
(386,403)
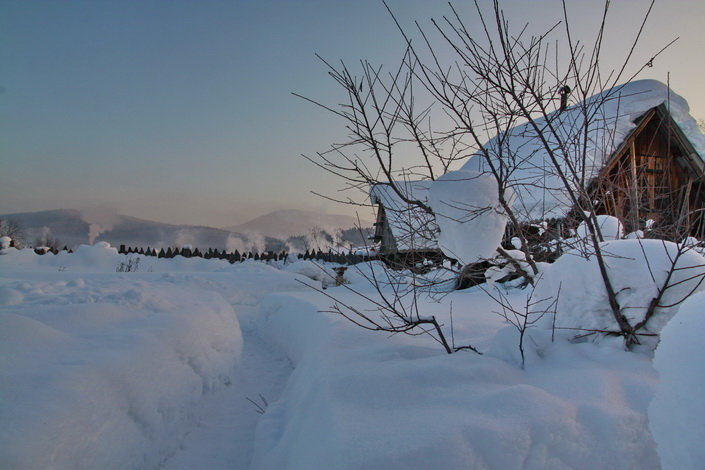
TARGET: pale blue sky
(181,111)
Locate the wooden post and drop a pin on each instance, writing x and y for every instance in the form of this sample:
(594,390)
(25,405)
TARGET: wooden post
(634,215)
(339,272)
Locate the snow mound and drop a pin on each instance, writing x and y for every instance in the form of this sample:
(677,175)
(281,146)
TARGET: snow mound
(677,412)
(5,242)
(636,268)
(108,373)
(358,400)
(314,271)
(10,296)
(611,228)
(468,214)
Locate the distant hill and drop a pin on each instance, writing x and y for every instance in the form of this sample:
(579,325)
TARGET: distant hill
(72,228)
(292,230)
(301,230)
(285,223)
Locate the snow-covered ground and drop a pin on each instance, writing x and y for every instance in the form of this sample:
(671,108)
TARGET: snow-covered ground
(154,369)
(118,370)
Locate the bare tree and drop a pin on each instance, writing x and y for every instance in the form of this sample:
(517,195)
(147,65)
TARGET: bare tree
(526,316)
(394,309)
(14,230)
(501,79)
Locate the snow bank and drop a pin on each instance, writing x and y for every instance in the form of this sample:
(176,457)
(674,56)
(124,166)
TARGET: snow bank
(636,268)
(314,271)
(677,412)
(468,214)
(102,258)
(107,371)
(362,400)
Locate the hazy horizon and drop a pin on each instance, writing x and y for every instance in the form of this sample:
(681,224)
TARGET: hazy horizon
(182,112)
(105,213)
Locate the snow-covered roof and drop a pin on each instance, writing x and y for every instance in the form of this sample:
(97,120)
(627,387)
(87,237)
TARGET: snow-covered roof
(613,114)
(412,227)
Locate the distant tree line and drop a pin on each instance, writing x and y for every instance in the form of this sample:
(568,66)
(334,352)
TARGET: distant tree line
(236,256)
(211,253)
(233,257)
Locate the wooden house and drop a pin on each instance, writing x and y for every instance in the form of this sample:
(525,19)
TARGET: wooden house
(639,153)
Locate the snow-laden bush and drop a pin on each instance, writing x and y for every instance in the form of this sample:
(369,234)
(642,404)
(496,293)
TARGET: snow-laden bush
(512,265)
(638,271)
(468,214)
(5,242)
(677,412)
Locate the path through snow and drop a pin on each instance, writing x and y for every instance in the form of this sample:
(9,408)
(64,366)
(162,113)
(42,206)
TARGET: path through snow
(224,436)
(225,433)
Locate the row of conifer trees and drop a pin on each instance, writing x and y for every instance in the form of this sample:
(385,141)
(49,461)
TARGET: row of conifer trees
(233,257)
(236,256)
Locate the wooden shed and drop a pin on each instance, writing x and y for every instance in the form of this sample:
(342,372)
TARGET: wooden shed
(634,146)
(655,178)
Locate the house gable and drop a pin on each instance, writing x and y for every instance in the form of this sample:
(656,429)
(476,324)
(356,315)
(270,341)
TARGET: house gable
(654,174)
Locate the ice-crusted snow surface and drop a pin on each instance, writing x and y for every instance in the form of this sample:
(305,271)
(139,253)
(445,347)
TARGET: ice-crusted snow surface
(540,193)
(151,369)
(677,412)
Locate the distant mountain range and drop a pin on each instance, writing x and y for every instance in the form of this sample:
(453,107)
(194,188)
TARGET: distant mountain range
(292,230)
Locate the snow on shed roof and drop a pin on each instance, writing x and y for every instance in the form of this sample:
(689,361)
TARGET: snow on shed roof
(412,227)
(613,115)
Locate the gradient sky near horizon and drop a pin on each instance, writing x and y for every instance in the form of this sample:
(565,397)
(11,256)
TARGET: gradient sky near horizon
(181,111)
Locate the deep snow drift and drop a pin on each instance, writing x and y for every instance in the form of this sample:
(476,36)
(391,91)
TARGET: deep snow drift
(101,369)
(638,269)
(106,371)
(359,400)
(677,412)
